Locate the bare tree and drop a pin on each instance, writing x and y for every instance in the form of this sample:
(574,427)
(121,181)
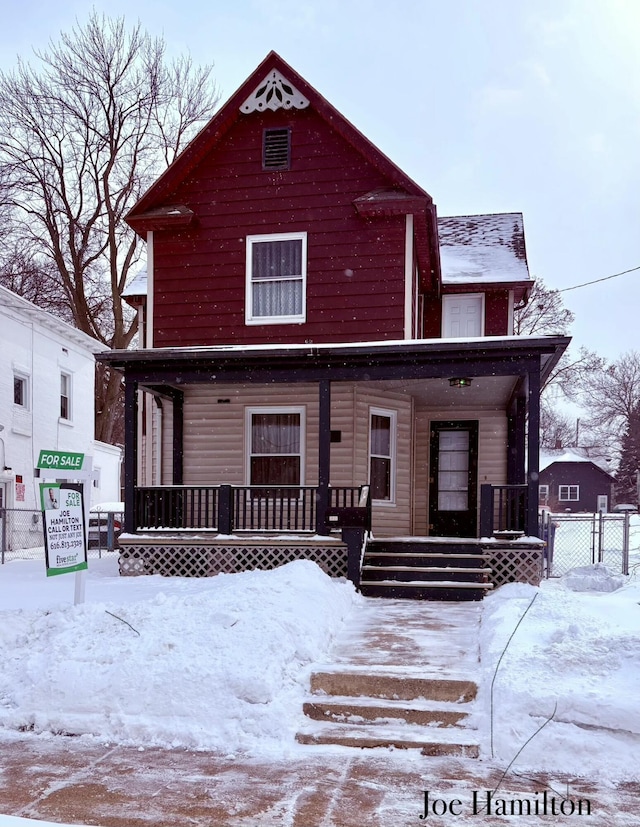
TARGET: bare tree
(82,135)
(612,394)
(544,314)
(557,430)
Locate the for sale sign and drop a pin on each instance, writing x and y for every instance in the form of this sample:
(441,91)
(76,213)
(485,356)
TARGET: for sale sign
(64,534)
(60,460)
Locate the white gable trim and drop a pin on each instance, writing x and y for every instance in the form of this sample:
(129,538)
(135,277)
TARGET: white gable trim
(275,92)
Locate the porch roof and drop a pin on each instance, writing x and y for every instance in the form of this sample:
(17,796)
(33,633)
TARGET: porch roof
(410,359)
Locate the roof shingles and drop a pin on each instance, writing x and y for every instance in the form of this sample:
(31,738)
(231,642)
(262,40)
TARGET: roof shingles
(483,248)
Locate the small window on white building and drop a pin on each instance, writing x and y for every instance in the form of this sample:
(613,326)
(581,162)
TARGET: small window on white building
(568,493)
(65,396)
(276,278)
(20,390)
(463,315)
(382,454)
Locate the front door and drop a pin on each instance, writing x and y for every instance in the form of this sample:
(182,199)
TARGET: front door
(453,479)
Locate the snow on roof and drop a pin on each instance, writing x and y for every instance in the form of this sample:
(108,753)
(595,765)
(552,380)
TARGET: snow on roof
(28,310)
(550,457)
(137,286)
(483,248)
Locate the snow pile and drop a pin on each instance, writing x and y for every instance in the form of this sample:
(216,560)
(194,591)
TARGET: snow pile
(220,663)
(571,671)
(596,578)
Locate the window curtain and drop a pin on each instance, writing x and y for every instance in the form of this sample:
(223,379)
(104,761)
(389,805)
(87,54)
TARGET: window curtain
(277,278)
(275,449)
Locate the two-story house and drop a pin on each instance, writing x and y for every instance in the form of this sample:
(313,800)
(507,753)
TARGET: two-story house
(47,379)
(318,343)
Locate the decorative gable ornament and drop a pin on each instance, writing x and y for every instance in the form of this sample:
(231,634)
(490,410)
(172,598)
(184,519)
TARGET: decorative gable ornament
(275,92)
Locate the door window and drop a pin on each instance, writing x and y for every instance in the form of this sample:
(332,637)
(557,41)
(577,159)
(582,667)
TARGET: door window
(453,471)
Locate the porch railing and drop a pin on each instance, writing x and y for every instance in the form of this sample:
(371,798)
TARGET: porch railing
(503,509)
(227,508)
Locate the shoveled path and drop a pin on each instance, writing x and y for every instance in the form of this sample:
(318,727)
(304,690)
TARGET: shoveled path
(79,781)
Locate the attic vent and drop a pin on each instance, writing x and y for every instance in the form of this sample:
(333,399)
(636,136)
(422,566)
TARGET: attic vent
(276,149)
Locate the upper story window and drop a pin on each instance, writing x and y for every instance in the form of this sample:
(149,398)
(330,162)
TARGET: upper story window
(276,278)
(568,493)
(463,315)
(20,391)
(65,396)
(382,453)
(276,149)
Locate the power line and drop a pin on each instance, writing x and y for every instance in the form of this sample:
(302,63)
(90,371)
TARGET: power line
(595,281)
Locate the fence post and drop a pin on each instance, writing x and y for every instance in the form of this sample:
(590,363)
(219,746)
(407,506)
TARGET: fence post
(625,543)
(600,537)
(225,509)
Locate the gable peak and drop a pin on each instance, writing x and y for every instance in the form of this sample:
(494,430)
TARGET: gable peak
(274,92)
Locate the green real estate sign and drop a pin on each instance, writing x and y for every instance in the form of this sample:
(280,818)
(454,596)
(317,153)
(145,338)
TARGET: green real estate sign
(60,460)
(64,535)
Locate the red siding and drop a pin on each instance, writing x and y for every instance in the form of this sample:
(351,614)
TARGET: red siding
(496,314)
(355,266)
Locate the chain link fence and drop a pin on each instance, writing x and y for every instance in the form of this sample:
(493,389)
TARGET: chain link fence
(585,539)
(22,537)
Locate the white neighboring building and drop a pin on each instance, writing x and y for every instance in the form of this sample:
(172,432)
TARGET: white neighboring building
(47,376)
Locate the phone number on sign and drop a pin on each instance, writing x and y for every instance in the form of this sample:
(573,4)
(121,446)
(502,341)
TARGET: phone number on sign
(58,545)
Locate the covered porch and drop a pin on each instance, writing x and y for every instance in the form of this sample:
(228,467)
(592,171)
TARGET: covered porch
(333,500)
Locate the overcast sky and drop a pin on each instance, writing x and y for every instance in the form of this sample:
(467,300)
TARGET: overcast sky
(491,106)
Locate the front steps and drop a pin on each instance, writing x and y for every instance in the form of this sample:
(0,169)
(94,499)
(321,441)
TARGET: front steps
(377,709)
(425,569)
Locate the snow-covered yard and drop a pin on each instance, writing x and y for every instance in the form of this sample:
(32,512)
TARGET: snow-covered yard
(222,663)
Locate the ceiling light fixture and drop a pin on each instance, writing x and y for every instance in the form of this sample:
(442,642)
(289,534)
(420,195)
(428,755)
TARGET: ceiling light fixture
(460,382)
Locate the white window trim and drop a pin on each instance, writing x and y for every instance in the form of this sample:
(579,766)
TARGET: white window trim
(543,493)
(450,297)
(568,498)
(250,319)
(272,409)
(66,373)
(26,379)
(393,416)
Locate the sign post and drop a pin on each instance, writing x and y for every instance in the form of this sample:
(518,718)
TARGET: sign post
(66,465)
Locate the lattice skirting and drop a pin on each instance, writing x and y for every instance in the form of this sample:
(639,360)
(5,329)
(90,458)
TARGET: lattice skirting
(515,565)
(185,560)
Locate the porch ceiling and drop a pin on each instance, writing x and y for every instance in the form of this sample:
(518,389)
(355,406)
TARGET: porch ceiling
(487,392)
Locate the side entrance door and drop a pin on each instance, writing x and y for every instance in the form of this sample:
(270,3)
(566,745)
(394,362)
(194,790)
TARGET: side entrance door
(453,479)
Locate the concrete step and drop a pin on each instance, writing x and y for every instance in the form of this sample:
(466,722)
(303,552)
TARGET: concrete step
(421,559)
(426,546)
(372,684)
(447,590)
(427,740)
(378,711)
(424,573)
